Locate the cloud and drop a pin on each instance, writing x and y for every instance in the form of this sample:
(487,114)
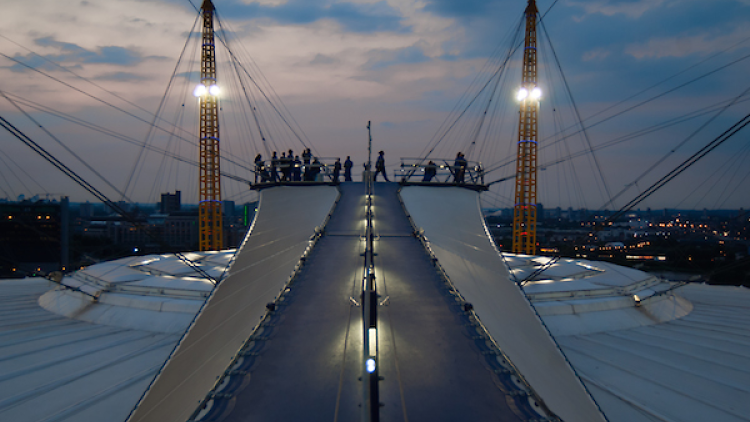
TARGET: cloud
(121,77)
(460,8)
(380,59)
(73,56)
(597,54)
(685,45)
(322,59)
(630,8)
(353,17)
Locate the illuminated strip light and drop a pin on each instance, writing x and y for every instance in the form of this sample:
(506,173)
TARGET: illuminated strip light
(372,337)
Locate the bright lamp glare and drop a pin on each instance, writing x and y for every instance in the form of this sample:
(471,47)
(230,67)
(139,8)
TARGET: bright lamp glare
(199,90)
(214,90)
(536,93)
(522,94)
(370,365)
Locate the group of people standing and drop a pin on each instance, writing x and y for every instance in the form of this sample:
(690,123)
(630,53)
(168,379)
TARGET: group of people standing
(290,168)
(458,170)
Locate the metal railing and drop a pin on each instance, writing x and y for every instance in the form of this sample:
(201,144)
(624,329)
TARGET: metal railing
(317,169)
(440,170)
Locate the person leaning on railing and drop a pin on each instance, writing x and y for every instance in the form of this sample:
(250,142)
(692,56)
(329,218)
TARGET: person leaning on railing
(430,171)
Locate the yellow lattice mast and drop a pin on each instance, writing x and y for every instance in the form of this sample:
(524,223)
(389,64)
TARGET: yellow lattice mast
(209,207)
(524,213)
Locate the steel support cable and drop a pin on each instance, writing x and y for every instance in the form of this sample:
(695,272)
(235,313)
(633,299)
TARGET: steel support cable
(225,41)
(159,108)
(177,122)
(735,163)
(17,133)
(121,110)
(278,98)
(673,150)
(655,97)
(644,102)
(254,112)
(447,130)
(737,186)
(251,99)
(125,138)
(86,93)
(20,180)
(512,50)
(2,175)
(114,94)
(70,151)
(726,135)
(711,57)
(651,129)
(483,117)
(738,161)
(445,127)
(575,108)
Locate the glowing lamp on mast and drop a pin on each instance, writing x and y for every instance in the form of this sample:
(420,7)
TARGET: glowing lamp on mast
(214,90)
(200,90)
(522,94)
(536,93)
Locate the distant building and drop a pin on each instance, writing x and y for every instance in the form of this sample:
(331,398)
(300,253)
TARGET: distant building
(86,210)
(170,202)
(33,237)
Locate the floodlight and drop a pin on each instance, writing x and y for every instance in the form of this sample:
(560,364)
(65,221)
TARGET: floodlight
(536,93)
(522,94)
(200,90)
(214,90)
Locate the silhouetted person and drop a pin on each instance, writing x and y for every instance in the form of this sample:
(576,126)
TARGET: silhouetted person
(430,171)
(348,169)
(380,167)
(259,168)
(460,168)
(336,170)
(314,170)
(296,169)
(274,165)
(284,167)
(306,156)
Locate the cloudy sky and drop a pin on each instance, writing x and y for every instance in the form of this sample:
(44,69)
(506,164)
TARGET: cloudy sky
(631,66)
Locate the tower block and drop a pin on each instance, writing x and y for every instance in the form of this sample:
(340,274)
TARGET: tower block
(209,207)
(524,212)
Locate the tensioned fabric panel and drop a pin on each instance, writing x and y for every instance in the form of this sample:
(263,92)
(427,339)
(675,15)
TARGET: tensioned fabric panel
(286,219)
(453,224)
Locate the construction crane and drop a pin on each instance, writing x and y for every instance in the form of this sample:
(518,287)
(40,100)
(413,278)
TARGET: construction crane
(524,212)
(209,206)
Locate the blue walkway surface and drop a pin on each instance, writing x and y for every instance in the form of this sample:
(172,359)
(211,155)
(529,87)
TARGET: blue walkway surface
(306,366)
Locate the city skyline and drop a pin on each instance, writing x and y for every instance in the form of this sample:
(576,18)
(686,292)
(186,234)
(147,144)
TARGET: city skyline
(402,65)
